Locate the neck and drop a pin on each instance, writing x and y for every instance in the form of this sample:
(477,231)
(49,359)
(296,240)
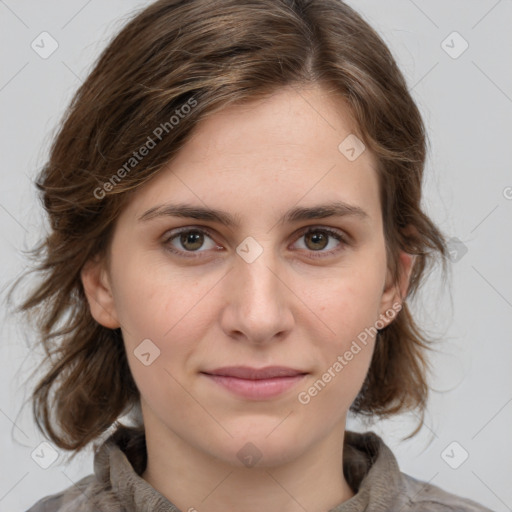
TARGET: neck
(195,481)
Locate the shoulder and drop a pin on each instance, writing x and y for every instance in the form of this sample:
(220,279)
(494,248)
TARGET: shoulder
(372,469)
(86,495)
(112,482)
(424,497)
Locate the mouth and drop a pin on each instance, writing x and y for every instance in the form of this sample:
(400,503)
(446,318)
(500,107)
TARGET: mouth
(256,383)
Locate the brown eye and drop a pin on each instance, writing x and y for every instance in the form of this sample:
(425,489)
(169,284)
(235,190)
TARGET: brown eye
(192,240)
(189,241)
(317,239)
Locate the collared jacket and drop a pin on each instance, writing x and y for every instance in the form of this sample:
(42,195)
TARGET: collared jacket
(369,466)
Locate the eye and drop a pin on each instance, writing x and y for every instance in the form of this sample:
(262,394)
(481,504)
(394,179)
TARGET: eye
(317,239)
(188,241)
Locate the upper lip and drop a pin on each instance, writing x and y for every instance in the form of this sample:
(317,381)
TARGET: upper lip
(246,372)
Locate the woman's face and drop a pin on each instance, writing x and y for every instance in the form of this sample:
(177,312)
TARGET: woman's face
(276,287)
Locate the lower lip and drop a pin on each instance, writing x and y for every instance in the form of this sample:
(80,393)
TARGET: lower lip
(256,389)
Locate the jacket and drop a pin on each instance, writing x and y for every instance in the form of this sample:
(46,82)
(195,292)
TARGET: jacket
(369,467)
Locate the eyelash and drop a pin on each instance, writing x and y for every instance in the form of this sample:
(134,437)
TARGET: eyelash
(190,229)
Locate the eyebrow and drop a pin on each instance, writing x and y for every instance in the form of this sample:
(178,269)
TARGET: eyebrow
(331,209)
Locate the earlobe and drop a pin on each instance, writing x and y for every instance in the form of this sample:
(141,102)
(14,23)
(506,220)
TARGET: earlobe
(99,295)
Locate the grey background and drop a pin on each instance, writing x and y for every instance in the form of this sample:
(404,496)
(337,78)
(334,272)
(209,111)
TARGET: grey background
(467,105)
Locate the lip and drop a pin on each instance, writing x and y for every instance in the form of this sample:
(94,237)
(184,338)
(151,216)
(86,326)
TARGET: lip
(256,383)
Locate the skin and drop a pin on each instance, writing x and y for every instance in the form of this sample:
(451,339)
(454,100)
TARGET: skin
(285,308)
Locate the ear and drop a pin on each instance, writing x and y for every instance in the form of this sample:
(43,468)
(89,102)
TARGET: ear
(98,291)
(394,293)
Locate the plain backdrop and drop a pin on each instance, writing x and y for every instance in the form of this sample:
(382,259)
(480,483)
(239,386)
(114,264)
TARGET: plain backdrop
(456,59)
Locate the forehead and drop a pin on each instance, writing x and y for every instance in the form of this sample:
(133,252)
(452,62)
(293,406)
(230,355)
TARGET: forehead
(287,149)
(289,123)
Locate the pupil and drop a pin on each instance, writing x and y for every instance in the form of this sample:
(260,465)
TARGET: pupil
(193,238)
(317,238)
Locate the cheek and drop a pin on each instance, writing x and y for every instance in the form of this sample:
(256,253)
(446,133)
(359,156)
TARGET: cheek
(348,302)
(164,314)
(350,310)
(154,300)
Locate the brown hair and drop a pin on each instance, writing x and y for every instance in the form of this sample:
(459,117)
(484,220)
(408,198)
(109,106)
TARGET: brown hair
(207,54)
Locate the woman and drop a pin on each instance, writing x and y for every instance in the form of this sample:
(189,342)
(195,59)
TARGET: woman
(234,199)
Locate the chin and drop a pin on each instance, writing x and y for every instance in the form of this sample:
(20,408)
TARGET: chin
(262,447)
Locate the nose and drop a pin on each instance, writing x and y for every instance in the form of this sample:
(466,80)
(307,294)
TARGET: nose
(259,303)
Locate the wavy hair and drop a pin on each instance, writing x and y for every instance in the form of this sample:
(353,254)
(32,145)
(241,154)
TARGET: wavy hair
(209,54)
